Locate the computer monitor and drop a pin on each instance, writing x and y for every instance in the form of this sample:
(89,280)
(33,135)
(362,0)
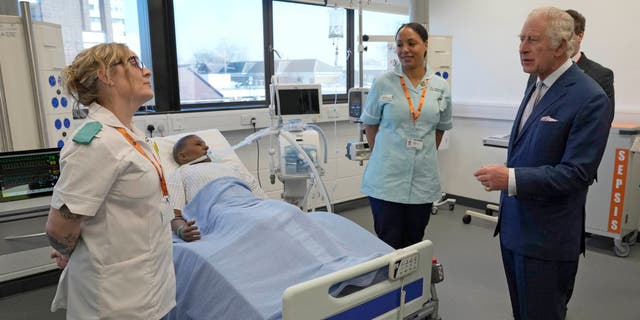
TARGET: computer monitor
(28,174)
(298,99)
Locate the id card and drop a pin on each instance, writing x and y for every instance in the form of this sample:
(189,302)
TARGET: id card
(414,143)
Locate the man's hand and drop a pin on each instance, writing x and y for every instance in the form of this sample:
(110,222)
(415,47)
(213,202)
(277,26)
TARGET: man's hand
(185,230)
(493,177)
(61,261)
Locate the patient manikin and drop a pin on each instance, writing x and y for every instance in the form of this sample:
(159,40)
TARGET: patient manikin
(195,171)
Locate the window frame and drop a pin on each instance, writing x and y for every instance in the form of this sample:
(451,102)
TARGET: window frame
(163,49)
(165,65)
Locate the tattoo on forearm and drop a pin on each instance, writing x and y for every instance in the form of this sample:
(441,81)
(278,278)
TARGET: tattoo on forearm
(65,247)
(65,242)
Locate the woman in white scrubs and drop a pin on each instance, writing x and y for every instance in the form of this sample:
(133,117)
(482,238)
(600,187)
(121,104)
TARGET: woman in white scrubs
(109,221)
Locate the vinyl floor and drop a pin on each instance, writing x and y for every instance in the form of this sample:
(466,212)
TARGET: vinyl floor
(607,286)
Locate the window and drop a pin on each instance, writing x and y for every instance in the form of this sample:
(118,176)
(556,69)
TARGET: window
(220,51)
(82,23)
(211,53)
(95,23)
(377,59)
(310,42)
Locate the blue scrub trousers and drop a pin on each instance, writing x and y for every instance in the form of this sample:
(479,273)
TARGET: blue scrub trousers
(539,289)
(399,225)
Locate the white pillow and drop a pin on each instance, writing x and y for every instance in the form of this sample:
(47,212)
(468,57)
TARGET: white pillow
(214,139)
(220,149)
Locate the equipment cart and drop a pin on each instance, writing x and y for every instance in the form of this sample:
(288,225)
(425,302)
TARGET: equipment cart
(613,202)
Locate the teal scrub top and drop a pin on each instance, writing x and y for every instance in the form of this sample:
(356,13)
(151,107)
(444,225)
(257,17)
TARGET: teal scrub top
(394,172)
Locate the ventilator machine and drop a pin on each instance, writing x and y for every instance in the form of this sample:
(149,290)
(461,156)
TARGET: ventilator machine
(295,146)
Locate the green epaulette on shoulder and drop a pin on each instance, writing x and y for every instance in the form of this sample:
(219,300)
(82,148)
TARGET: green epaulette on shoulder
(87,132)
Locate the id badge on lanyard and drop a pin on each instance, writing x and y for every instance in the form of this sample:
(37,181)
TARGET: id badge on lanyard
(414,143)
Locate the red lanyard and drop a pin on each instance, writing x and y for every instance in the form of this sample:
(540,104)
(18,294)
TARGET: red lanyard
(156,164)
(415,115)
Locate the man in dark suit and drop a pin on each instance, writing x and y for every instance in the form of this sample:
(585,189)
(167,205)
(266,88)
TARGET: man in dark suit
(602,75)
(557,141)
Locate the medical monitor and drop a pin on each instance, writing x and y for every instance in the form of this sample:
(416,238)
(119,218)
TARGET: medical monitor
(356,98)
(298,99)
(28,174)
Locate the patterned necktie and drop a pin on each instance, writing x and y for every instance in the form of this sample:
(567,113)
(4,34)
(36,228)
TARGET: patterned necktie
(535,98)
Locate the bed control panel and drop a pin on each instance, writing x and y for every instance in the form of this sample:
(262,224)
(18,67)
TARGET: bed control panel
(403,263)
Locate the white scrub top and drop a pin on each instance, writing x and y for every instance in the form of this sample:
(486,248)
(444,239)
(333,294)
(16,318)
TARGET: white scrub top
(122,266)
(394,172)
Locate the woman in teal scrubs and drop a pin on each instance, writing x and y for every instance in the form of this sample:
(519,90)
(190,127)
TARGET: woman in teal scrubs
(405,116)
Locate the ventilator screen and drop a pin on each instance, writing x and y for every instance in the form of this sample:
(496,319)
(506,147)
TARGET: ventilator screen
(294,100)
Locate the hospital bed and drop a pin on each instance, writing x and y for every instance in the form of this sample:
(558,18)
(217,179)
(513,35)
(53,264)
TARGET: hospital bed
(336,271)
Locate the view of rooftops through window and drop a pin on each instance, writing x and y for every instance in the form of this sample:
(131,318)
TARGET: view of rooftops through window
(229,65)
(220,55)
(221,60)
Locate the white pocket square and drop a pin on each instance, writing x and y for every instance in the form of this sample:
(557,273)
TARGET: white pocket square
(548,119)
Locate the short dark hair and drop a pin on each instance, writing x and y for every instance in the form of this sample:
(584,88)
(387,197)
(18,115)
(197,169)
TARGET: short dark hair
(418,28)
(180,145)
(579,21)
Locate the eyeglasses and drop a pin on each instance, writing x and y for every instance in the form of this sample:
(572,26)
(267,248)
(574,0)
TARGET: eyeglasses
(135,61)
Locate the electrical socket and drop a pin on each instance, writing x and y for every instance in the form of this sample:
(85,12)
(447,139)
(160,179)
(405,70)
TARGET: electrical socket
(154,129)
(245,119)
(332,113)
(150,129)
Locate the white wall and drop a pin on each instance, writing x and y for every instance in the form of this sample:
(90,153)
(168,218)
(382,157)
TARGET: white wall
(488,81)
(485,46)
(466,154)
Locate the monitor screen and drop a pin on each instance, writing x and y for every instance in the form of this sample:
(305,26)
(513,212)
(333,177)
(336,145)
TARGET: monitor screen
(28,174)
(298,99)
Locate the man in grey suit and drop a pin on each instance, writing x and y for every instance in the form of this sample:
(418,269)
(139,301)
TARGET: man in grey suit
(602,75)
(556,144)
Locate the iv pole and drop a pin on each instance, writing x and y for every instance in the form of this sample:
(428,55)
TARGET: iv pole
(360,72)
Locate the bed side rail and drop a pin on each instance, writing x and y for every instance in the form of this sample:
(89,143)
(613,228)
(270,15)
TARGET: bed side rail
(311,299)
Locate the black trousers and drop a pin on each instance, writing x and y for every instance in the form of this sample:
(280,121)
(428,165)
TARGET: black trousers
(539,289)
(399,225)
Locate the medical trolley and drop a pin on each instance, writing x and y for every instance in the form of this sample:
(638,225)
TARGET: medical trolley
(613,202)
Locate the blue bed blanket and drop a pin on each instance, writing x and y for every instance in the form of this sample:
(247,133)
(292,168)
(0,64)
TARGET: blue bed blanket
(253,249)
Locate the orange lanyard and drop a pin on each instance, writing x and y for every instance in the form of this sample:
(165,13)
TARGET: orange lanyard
(156,164)
(415,115)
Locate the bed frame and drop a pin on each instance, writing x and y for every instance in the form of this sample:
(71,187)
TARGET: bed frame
(311,300)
